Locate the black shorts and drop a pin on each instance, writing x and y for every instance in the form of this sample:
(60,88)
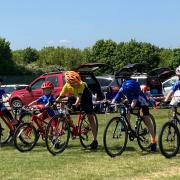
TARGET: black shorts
(145,110)
(86,101)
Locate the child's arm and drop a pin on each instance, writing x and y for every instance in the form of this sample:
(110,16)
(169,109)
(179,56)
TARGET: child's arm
(32,103)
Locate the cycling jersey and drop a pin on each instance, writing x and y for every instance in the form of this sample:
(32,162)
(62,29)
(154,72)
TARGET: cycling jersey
(76,91)
(44,100)
(83,91)
(140,97)
(176,90)
(176,86)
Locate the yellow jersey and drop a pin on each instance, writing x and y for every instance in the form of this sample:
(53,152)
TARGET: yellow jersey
(76,91)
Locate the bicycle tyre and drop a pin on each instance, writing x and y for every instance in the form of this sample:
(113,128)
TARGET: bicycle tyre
(143,134)
(111,141)
(57,136)
(26,118)
(85,132)
(22,141)
(166,152)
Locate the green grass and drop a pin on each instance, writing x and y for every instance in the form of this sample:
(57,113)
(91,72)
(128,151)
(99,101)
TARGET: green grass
(78,163)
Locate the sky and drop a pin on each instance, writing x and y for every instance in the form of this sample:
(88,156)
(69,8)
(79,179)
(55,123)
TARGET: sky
(80,23)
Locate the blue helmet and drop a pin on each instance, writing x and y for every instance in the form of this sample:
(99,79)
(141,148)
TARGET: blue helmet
(131,86)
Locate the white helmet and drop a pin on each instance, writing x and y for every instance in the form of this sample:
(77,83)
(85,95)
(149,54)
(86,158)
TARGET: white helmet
(178,70)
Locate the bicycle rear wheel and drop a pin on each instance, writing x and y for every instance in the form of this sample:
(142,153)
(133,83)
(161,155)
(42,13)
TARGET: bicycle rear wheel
(169,140)
(85,132)
(115,137)
(143,134)
(4,132)
(57,135)
(25,137)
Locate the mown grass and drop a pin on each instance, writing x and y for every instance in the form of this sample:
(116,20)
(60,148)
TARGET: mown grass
(78,163)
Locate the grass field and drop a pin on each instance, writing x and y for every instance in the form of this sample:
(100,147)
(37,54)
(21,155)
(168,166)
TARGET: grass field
(78,163)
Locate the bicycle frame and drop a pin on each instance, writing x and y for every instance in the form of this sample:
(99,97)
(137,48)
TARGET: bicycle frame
(6,121)
(175,118)
(123,115)
(39,121)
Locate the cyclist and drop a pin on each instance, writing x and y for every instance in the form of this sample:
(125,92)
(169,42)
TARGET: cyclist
(76,87)
(136,98)
(146,90)
(45,100)
(5,111)
(175,90)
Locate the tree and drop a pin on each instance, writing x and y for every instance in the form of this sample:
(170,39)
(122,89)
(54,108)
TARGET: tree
(6,63)
(5,51)
(30,55)
(176,57)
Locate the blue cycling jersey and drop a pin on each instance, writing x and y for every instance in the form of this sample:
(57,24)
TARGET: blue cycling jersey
(140,97)
(46,99)
(176,86)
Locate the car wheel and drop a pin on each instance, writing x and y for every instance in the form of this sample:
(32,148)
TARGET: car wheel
(16,103)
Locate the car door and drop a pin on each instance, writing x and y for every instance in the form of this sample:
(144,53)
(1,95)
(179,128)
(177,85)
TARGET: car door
(34,91)
(58,83)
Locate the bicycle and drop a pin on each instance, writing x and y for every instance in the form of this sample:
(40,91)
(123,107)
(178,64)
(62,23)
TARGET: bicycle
(169,136)
(7,128)
(54,142)
(27,134)
(118,129)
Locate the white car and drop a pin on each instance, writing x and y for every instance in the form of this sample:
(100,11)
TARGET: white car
(167,85)
(9,89)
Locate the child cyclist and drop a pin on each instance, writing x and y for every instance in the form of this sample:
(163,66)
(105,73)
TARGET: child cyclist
(5,111)
(136,98)
(175,90)
(76,87)
(45,100)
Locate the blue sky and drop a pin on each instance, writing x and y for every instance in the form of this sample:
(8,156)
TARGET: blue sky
(80,23)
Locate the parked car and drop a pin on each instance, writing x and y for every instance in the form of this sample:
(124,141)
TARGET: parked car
(33,90)
(154,84)
(10,88)
(167,85)
(108,81)
(142,73)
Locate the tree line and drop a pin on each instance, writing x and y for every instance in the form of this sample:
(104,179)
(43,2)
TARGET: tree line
(33,61)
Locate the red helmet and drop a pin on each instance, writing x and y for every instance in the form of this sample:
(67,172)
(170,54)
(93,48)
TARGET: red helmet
(47,84)
(72,77)
(145,88)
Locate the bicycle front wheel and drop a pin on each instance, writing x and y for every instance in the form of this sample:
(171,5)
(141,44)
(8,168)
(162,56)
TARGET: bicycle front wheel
(143,134)
(4,132)
(57,135)
(85,132)
(169,140)
(25,137)
(115,137)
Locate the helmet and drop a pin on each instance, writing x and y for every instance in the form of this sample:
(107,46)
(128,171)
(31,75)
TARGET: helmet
(144,88)
(72,77)
(47,84)
(131,86)
(178,70)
